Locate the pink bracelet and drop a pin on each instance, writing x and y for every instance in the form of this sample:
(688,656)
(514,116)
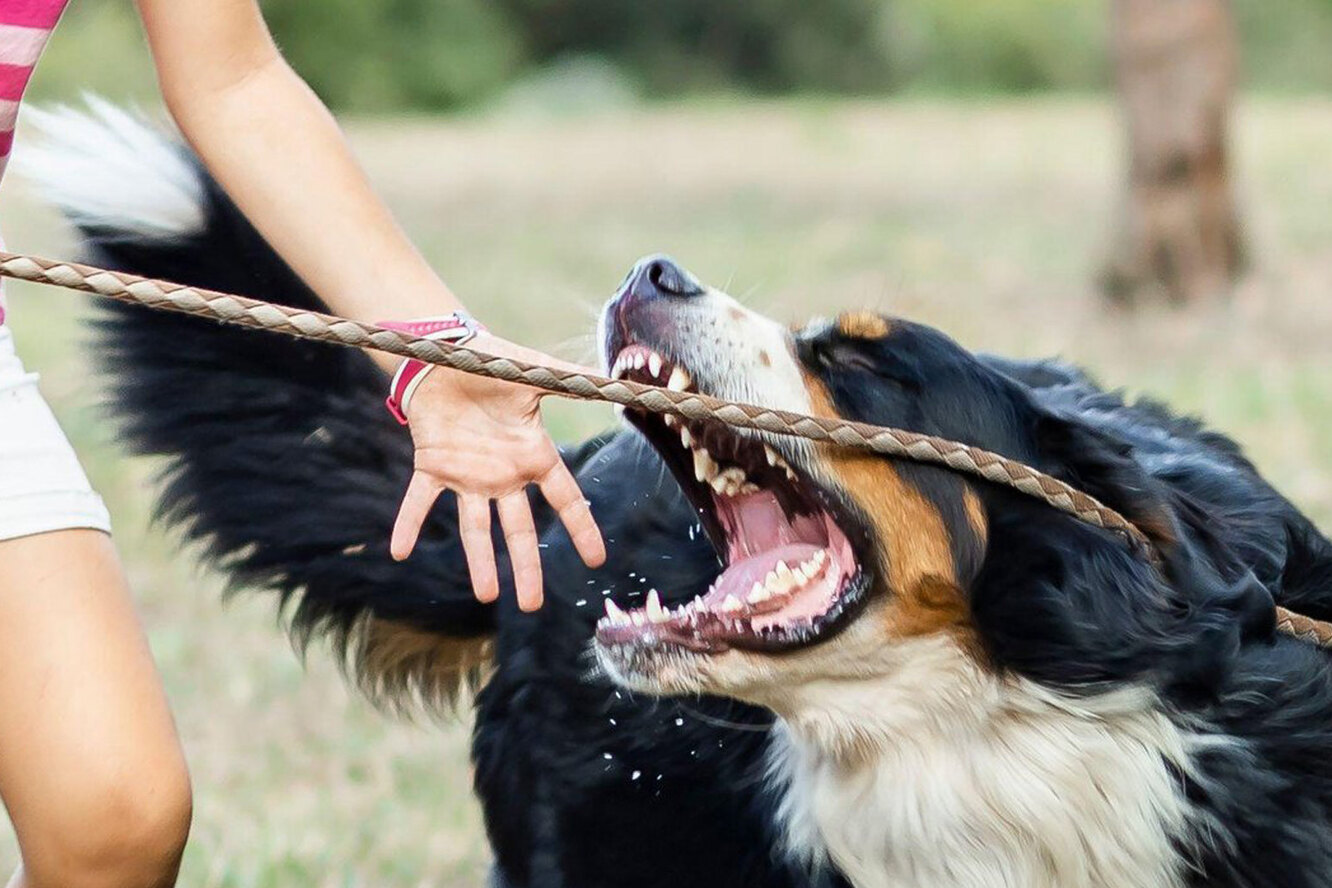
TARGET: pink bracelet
(457,328)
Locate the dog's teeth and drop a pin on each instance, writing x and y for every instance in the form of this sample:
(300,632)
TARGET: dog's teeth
(639,360)
(719,484)
(771,454)
(655,612)
(732,604)
(686,438)
(782,569)
(638,618)
(757,594)
(779,584)
(616,616)
(670,419)
(679,380)
(749,487)
(704,468)
(654,365)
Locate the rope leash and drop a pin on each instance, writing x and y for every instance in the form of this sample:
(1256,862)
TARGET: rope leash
(242,311)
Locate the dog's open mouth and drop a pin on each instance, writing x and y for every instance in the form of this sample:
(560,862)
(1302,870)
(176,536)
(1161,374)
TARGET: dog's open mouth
(791,575)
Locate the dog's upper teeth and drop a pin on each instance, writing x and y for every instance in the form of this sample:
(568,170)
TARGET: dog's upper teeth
(773,458)
(704,468)
(686,438)
(639,360)
(757,594)
(679,380)
(654,364)
(655,612)
(732,604)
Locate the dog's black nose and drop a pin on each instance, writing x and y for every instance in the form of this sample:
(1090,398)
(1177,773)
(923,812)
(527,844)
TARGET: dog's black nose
(660,276)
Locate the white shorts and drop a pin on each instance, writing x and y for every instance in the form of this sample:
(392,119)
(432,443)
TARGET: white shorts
(42,486)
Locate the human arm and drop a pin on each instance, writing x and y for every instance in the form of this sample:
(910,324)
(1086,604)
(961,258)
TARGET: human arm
(281,157)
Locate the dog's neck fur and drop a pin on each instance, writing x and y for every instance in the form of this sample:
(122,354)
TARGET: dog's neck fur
(939,774)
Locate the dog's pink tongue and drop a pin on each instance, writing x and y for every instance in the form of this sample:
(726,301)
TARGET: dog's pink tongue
(739,578)
(756,523)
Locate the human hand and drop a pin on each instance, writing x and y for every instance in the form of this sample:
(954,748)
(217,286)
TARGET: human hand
(483,439)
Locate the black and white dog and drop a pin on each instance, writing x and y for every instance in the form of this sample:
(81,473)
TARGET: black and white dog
(969,688)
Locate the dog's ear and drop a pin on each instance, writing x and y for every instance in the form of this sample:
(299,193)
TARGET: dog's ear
(1098,464)
(1071,605)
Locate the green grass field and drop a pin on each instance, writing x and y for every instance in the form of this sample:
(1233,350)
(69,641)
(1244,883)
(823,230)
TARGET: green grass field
(987,220)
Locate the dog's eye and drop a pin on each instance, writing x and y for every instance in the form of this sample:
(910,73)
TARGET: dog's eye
(860,356)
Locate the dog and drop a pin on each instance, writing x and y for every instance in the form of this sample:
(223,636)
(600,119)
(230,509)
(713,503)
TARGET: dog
(972,688)
(862,670)
(280,459)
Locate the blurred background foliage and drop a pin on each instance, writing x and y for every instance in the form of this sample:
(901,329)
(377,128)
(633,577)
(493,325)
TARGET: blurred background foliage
(433,55)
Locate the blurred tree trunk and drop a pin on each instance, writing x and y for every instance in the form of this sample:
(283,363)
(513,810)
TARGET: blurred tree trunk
(1175,66)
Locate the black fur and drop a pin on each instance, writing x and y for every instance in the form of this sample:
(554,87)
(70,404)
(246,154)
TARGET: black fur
(281,457)
(283,460)
(1072,607)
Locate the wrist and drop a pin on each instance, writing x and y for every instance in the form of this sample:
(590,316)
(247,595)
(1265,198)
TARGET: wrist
(456,328)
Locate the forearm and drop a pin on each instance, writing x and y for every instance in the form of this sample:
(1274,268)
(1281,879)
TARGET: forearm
(279,154)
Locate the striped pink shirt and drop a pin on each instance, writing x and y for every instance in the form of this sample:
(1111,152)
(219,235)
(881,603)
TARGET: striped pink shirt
(24,27)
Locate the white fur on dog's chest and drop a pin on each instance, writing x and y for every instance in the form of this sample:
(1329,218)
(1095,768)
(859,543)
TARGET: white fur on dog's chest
(997,784)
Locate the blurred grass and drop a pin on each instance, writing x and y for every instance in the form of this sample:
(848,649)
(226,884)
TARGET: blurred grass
(985,219)
(429,55)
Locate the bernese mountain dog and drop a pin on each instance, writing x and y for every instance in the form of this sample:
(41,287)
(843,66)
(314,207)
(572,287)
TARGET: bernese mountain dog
(801,665)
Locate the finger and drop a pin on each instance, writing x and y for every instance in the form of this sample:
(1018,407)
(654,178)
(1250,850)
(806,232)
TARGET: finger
(562,492)
(474,528)
(421,494)
(515,514)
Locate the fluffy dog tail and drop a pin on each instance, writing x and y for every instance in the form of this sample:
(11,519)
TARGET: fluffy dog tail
(279,455)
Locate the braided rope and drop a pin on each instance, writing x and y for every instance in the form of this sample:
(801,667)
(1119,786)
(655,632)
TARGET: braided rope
(241,311)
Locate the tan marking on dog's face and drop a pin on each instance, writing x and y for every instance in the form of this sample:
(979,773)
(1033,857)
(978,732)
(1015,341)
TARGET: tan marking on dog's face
(863,325)
(916,560)
(980,526)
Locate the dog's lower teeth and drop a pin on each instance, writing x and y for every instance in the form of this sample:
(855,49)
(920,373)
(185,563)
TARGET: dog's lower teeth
(679,380)
(655,612)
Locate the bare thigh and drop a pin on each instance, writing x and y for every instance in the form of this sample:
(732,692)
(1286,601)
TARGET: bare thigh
(89,756)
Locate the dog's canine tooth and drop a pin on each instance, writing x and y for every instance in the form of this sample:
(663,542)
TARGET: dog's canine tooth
(773,458)
(686,438)
(670,419)
(655,612)
(679,380)
(654,365)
